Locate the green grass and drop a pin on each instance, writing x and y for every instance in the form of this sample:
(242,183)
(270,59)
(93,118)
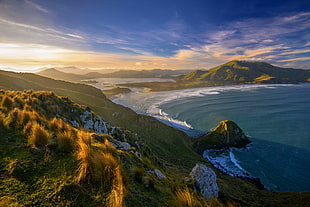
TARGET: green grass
(167,148)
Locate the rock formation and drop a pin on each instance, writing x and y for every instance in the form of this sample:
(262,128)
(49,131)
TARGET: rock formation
(226,134)
(205,181)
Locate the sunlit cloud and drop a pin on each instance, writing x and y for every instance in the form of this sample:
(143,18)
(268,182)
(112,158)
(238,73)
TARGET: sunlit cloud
(31,37)
(296,59)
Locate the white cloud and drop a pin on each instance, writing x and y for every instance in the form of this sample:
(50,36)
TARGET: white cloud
(37,6)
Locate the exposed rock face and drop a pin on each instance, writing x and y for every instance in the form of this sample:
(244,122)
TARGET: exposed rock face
(226,134)
(124,146)
(205,180)
(158,174)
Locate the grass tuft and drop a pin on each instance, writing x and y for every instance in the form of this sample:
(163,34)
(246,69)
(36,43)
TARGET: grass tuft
(7,102)
(66,141)
(38,136)
(185,198)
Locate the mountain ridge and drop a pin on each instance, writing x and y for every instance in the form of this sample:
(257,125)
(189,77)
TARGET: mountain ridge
(237,71)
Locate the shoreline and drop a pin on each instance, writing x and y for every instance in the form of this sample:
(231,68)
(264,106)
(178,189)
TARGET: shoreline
(205,91)
(222,164)
(196,133)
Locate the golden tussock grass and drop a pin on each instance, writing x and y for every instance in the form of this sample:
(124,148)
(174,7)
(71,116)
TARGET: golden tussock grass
(38,136)
(184,198)
(84,155)
(116,196)
(99,168)
(66,141)
(6,102)
(58,125)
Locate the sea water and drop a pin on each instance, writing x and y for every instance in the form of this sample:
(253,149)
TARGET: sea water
(276,118)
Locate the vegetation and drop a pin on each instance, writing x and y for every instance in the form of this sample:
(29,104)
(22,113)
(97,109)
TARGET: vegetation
(47,176)
(55,164)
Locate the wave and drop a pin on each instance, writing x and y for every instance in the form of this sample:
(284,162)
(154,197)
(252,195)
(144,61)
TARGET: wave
(225,161)
(150,103)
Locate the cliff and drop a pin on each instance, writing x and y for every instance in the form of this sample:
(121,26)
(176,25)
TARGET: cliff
(226,134)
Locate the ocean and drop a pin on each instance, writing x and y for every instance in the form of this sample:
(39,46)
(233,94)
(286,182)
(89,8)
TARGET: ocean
(274,117)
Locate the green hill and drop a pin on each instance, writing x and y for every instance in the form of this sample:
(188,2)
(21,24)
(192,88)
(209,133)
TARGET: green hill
(42,165)
(237,72)
(56,74)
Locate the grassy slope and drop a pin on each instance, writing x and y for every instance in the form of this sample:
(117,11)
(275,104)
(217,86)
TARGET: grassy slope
(54,73)
(166,142)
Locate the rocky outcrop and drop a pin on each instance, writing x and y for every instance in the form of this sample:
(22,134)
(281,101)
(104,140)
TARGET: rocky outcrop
(124,146)
(205,181)
(226,134)
(157,173)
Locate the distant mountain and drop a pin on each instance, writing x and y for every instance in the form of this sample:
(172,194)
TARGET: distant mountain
(56,74)
(59,74)
(73,69)
(79,71)
(239,72)
(155,73)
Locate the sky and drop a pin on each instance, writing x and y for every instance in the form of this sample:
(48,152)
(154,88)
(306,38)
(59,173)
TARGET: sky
(145,34)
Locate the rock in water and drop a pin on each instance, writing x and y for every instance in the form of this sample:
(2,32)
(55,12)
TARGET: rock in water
(226,134)
(205,180)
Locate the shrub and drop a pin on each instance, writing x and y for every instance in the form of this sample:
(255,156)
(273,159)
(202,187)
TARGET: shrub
(38,136)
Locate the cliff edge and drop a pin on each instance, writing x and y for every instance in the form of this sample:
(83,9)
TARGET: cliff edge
(226,134)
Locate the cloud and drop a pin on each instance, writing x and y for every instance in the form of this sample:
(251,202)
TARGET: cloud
(37,6)
(295,59)
(173,44)
(263,39)
(296,52)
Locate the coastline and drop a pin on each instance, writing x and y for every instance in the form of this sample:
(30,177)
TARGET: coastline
(225,158)
(198,92)
(193,133)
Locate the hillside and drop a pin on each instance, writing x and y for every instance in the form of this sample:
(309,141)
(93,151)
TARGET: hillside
(56,74)
(249,72)
(52,179)
(54,152)
(155,73)
(231,73)
(59,74)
